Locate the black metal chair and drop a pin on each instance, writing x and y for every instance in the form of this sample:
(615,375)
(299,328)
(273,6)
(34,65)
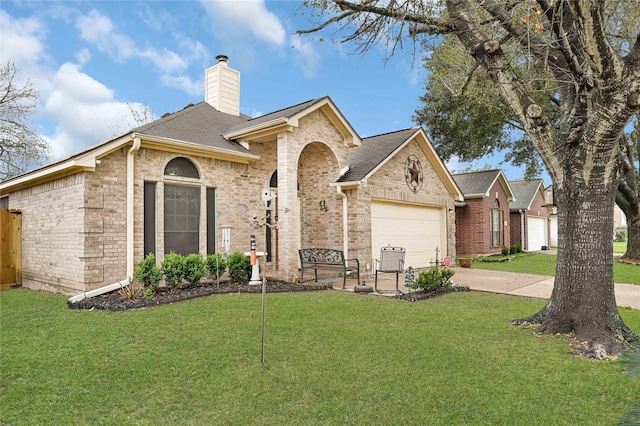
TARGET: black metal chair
(391,261)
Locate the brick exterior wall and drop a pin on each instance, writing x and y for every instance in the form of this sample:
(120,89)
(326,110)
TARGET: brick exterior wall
(53,243)
(75,228)
(388,183)
(538,209)
(473,223)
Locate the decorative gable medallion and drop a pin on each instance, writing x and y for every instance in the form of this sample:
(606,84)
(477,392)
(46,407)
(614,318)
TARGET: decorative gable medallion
(413,173)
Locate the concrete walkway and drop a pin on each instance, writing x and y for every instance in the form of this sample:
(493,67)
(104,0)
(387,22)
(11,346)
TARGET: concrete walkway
(516,284)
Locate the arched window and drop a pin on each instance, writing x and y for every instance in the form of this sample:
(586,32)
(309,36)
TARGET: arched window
(182,167)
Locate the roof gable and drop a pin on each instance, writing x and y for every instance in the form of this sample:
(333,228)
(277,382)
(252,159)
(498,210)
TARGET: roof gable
(478,184)
(375,151)
(266,127)
(525,192)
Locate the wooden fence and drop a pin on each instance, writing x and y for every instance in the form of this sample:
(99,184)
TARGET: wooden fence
(10,247)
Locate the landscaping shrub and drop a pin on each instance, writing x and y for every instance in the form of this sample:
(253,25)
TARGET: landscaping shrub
(505,251)
(148,274)
(239,267)
(515,248)
(173,267)
(194,268)
(620,233)
(433,279)
(216,265)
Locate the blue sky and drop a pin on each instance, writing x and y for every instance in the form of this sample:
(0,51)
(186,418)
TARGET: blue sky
(93,61)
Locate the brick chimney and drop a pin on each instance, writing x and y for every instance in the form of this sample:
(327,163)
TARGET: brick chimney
(222,87)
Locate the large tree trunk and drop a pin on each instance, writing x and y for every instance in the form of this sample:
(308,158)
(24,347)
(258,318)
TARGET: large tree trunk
(633,234)
(583,298)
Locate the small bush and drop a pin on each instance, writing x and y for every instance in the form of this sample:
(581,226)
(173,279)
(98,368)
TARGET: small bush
(505,251)
(194,268)
(239,267)
(216,265)
(515,248)
(133,290)
(620,233)
(148,273)
(173,267)
(433,279)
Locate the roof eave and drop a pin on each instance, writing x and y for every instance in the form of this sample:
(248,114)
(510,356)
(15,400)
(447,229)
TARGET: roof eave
(183,147)
(87,161)
(260,130)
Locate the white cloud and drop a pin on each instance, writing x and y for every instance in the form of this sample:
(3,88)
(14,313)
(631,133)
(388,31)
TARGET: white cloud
(83,56)
(20,41)
(184,83)
(98,30)
(454,165)
(85,111)
(306,56)
(239,17)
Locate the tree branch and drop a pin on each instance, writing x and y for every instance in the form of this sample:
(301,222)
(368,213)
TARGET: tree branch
(400,13)
(590,27)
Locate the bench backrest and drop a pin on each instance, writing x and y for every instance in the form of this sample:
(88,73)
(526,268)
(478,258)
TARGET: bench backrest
(321,255)
(392,259)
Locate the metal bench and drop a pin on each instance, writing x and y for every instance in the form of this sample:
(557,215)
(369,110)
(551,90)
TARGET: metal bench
(391,260)
(327,259)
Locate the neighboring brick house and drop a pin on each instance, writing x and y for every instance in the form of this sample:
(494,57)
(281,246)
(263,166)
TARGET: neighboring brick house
(192,181)
(482,221)
(530,224)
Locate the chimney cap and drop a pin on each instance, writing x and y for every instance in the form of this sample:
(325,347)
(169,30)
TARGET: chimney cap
(222,58)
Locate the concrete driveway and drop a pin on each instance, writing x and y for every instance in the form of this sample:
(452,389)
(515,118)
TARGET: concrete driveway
(511,283)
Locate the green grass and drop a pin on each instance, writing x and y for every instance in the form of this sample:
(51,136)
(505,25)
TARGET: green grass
(545,264)
(332,358)
(619,247)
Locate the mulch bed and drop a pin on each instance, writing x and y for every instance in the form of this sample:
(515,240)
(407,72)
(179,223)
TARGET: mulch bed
(115,302)
(423,295)
(629,261)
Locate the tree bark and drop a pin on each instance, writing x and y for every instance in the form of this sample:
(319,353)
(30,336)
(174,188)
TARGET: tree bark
(583,298)
(633,234)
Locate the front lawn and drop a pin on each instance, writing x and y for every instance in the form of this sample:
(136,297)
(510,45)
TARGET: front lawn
(545,264)
(331,358)
(619,247)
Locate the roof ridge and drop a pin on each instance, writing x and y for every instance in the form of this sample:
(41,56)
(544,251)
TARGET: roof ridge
(394,131)
(313,100)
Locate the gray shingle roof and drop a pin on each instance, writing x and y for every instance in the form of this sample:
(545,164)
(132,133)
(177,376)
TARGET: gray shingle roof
(283,113)
(373,151)
(201,124)
(524,191)
(476,183)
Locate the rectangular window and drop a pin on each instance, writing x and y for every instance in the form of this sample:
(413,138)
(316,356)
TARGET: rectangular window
(149,218)
(181,219)
(211,220)
(496,228)
(4,203)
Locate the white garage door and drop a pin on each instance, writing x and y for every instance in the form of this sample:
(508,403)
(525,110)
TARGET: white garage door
(537,233)
(418,229)
(553,231)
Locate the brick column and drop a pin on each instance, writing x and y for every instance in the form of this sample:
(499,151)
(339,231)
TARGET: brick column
(289,222)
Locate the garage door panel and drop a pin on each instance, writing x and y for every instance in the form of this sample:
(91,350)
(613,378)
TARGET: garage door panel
(418,229)
(536,233)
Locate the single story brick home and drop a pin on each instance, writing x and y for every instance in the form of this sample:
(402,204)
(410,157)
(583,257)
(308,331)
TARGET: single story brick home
(482,221)
(530,224)
(193,181)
